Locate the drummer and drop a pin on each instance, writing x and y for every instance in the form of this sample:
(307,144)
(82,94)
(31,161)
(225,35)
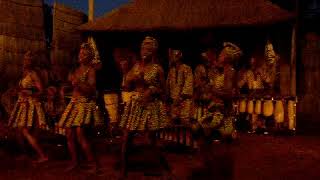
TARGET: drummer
(253,78)
(179,89)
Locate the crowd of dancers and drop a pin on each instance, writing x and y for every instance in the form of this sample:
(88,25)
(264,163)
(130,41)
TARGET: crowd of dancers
(190,107)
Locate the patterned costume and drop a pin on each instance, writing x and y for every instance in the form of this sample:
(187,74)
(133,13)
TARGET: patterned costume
(140,114)
(180,90)
(221,82)
(28,111)
(253,81)
(82,110)
(201,91)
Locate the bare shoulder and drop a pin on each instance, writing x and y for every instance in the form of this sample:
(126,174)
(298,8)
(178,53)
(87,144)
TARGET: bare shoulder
(186,67)
(34,74)
(200,68)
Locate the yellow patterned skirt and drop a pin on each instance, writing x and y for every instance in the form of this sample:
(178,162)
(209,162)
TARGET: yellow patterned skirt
(136,116)
(183,111)
(81,111)
(28,112)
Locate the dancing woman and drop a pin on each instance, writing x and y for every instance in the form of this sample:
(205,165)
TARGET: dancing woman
(146,113)
(28,112)
(82,110)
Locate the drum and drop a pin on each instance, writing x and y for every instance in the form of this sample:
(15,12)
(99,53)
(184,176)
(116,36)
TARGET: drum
(250,107)
(243,106)
(291,114)
(111,104)
(279,112)
(268,108)
(257,107)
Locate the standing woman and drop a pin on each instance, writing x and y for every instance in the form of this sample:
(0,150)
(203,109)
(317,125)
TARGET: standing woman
(146,113)
(28,112)
(82,110)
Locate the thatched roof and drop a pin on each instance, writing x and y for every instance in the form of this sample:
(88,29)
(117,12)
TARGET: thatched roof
(141,15)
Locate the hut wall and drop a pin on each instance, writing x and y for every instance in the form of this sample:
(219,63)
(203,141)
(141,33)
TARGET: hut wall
(309,104)
(21,29)
(65,39)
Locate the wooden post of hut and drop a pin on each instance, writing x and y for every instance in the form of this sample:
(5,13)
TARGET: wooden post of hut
(91,10)
(292,125)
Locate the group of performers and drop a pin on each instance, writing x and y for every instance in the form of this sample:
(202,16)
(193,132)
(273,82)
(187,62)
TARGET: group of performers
(198,102)
(82,111)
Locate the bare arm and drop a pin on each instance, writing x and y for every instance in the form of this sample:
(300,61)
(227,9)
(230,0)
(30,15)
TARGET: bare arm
(37,82)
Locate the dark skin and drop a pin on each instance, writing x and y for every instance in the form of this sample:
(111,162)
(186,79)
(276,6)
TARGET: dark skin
(27,69)
(81,88)
(148,59)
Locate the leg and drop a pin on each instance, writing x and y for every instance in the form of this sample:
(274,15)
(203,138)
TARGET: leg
(84,144)
(72,148)
(33,142)
(21,141)
(82,140)
(162,159)
(124,153)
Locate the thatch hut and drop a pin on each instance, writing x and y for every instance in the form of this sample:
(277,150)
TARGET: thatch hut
(21,29)
(186,21)
(195,24)
(65,40)
(143,15)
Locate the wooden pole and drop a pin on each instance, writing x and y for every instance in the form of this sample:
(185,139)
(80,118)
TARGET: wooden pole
(293,61)
(293,77)
(91,10)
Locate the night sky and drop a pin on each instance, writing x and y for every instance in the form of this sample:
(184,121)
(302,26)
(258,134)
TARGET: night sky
(101,6)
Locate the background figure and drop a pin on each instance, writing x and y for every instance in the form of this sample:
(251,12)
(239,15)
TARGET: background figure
(28,113)
(203,77)
(224,87)
(82,111)
(180,92)
(218,123)
(202,88)
(253,78)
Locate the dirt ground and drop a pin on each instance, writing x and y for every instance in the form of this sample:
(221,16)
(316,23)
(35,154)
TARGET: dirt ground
(254,157)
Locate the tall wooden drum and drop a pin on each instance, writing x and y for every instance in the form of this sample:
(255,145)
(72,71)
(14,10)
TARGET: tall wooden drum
(257,107)
(291,114)
(112,104)
(268,108)
(250,107)
(279,112)
(243,106)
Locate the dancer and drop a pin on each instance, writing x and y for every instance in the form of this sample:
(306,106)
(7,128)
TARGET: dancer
(146,113)
(28,112)
(82,111)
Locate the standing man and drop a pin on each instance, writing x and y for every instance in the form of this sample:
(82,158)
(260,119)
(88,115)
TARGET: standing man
(180,90)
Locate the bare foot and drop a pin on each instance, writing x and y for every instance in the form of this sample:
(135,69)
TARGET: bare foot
(72,166)
(92,168)
(41,160)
